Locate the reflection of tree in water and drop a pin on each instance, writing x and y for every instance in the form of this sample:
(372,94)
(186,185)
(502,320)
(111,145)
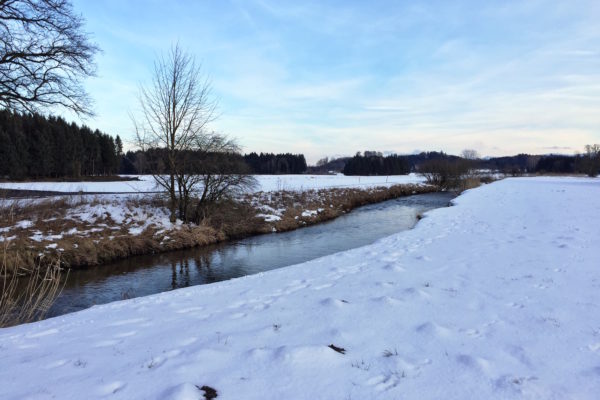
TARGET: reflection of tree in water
(182,274)
(204,267)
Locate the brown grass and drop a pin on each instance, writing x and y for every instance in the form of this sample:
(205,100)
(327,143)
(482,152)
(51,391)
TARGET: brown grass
(28,298)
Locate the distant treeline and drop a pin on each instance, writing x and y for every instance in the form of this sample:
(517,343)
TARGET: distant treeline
(33,146)
(139,162)
(374,163)
(588,164)
(269,163)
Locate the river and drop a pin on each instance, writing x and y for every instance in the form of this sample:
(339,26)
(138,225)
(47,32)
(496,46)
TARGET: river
(149,274)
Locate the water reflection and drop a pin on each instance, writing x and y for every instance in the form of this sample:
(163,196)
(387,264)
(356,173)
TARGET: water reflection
(148,274)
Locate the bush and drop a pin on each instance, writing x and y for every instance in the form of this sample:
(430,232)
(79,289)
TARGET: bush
(447,174)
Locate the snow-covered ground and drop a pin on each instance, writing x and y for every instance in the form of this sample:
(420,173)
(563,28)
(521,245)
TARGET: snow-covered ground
(497,297)
(265,183)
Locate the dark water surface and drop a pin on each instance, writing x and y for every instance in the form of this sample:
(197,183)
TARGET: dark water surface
(149,274)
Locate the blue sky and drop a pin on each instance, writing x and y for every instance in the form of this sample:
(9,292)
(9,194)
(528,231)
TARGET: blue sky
(336,77)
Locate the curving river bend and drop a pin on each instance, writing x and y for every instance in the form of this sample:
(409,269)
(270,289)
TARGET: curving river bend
(149,274)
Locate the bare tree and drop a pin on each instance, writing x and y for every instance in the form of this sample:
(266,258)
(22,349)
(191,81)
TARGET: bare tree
(187,160)
(470,154)
(591,159)
(323,161)
(44,55)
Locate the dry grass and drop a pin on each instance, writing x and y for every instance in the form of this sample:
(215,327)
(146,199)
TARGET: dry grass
(46,239)
(28,298)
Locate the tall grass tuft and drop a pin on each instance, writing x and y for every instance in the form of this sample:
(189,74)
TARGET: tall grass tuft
(28,298)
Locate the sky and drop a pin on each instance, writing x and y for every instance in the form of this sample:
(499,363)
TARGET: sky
(330,78)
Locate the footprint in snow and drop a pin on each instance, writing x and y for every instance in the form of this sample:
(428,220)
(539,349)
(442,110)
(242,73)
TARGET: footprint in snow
(474,333)
(433,329)
(188,391)
(155,362)
(388,381)
(517,384)
(392,301)
(470,362)
(394,268)
(331,302)
(111,388)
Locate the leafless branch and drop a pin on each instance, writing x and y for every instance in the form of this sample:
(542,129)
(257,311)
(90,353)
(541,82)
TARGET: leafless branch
(44,56)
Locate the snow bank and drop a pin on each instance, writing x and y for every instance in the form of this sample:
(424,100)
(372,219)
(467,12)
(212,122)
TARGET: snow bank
(494,298)
(266,183)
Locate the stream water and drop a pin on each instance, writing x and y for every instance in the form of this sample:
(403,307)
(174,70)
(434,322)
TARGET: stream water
(149,274)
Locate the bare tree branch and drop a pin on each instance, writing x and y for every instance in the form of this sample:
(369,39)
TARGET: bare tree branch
(44,56)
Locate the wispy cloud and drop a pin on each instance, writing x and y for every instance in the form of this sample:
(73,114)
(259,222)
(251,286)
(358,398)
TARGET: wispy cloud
(338,77)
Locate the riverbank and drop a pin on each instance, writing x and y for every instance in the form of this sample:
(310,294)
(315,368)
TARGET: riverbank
(85,230)
(466,305)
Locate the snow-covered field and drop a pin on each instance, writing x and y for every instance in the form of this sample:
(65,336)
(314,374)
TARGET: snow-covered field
(497,297)
(265,183)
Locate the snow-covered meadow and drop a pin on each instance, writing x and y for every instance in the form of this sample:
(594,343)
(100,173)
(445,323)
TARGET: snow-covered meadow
(496,297)
(266,183)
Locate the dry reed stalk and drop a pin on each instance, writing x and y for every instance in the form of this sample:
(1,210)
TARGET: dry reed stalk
(27,299)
